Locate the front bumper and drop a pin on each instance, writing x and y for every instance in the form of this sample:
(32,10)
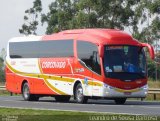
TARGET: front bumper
(112,92)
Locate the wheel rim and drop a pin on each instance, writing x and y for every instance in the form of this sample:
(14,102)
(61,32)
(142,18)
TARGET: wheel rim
(26,91)
(79,94)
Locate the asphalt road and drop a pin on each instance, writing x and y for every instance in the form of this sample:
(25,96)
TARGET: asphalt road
(107,106)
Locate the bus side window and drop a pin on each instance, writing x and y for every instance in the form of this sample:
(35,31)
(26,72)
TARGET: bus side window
(88,54)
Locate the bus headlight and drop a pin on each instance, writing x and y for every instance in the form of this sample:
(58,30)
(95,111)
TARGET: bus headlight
(107,86)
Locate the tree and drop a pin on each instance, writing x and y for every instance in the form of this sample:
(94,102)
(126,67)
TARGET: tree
(3,53)
(2,58)
(31,19)
(59,17)
(71,14)
(148,19)
(2,77)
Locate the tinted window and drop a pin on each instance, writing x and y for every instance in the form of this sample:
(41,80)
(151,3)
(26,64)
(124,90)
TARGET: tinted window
(88,54)
(41,49)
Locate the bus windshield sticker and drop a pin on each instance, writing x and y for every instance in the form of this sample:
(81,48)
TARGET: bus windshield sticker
(114,47)
(117,68)
(108,69)
(86,81)
(126,49)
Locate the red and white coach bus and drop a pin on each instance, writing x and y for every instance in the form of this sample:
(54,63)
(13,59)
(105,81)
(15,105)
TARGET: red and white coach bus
(83,63)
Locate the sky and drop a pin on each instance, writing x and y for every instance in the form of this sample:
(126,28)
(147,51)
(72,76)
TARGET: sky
(11,18)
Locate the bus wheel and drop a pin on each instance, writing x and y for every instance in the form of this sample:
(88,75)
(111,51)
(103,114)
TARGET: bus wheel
(80,98)
(61,98)
(26,93)
(120,100)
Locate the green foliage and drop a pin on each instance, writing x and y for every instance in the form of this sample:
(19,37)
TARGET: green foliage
(152,70)
(31,18)
(149,17)
(2,77)
(3,53)
(72,14)
(68,14)
(2,58)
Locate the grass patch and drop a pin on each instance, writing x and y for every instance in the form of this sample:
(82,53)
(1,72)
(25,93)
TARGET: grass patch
(4,92)
(154,84)
(2,83)
(49,115)
(7,93)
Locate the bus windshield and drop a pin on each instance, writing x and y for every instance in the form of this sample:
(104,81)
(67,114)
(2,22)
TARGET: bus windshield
(124,62)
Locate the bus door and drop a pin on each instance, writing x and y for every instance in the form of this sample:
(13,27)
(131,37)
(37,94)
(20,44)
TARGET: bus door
(88,59)
(84,74)
(96,69)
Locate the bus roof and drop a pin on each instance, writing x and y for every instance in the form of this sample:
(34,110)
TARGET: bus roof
(99,36)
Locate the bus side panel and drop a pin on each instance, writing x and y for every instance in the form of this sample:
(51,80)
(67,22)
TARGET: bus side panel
(40,87)
(18,80)
(14,81)
(10,80)
(60,73)
(36,85)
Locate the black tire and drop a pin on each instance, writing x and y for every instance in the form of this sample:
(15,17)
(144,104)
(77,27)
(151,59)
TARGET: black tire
(80,98)
(120,100)
(26,93)
(61,98)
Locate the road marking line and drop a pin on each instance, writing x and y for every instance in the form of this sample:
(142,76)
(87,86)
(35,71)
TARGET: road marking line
(149,107)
